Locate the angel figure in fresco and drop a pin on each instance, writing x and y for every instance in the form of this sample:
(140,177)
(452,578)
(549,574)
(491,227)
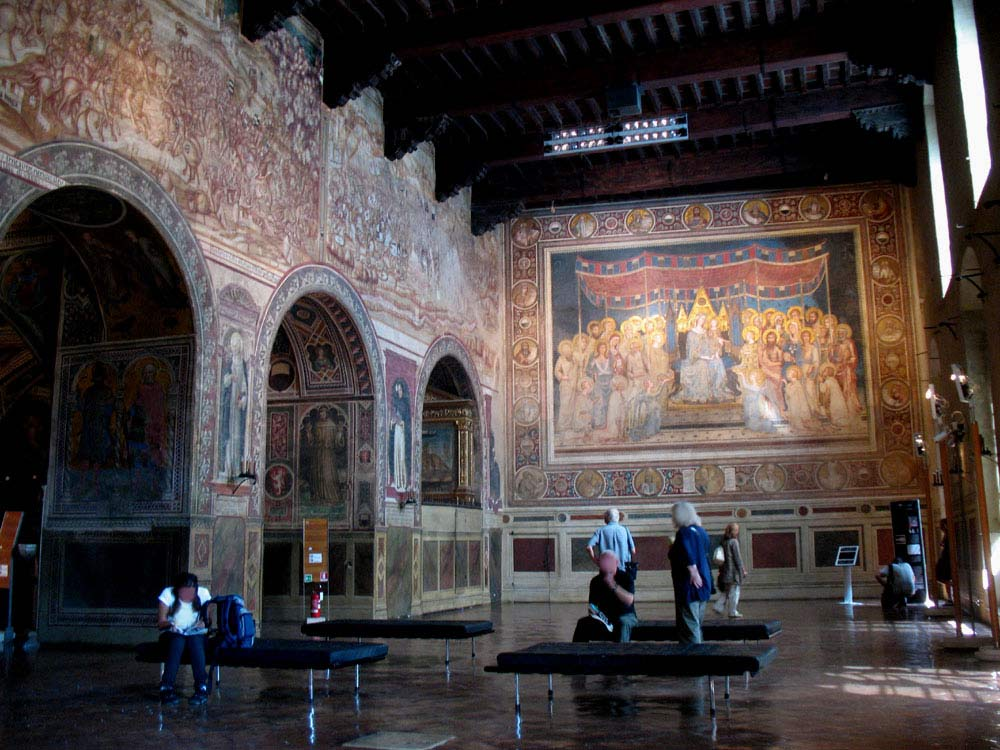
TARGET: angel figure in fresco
(760,414)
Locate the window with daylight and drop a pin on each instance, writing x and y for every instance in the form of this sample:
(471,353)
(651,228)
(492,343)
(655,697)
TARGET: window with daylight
(938,203)
(970,71)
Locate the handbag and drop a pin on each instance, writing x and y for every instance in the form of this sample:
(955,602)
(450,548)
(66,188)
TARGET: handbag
(632,569)
(719,555)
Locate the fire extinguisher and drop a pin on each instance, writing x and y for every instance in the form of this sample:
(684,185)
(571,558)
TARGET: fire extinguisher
(314,609)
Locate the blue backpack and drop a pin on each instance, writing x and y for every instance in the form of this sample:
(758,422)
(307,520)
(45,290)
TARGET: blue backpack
(234,621)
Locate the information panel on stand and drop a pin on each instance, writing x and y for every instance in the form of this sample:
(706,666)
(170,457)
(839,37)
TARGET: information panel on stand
(847,556)
(8,537)
(315,544)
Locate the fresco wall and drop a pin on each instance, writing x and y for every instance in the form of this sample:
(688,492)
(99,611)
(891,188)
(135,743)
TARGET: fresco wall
(165,104)
(752,353)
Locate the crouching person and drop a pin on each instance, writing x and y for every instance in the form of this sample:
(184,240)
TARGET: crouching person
(183,624)
(611,605)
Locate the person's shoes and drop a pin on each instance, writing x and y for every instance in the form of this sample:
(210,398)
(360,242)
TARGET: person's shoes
(200,697)
(168,697)
(736,615)
(718,610)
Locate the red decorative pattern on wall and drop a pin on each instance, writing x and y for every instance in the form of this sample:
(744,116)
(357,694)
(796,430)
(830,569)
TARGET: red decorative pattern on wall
(651,552)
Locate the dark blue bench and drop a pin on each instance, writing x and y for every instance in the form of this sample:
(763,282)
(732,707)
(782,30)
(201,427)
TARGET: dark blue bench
(711,630)
(446,630)
(655,660)
(280,654)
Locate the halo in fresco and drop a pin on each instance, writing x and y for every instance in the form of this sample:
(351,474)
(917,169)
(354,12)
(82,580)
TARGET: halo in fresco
(526,411)
(769,478)
(590,484)
(529,483)
(582,226)
(640,221)
(755,212)
(898,469)
(648,482)
(525,232)
(697,216)
(814,207)
(709,479)
(832,475)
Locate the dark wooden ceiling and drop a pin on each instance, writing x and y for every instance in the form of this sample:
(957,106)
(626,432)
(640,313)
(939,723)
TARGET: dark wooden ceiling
(778,92)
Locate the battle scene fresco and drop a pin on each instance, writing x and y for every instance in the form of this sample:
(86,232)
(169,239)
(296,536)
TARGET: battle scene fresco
(755,345)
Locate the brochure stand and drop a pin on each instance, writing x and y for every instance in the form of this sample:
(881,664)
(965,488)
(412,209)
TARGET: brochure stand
(847,558)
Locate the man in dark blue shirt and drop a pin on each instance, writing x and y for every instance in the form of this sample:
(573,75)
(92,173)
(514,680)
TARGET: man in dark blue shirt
(611,604)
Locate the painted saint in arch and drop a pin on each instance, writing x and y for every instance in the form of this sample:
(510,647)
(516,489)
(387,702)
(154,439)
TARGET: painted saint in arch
(399,436)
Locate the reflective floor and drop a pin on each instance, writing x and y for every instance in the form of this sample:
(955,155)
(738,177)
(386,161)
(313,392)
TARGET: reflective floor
(838,682)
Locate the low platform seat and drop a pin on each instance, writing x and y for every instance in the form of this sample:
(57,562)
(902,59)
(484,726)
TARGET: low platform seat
(282,654)
(446,630)
(711,630)
(650,659)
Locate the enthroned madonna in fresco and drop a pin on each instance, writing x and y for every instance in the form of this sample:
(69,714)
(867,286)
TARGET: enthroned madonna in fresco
(722,342)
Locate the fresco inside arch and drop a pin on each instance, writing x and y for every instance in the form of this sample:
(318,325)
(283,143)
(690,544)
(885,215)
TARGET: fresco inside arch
(743,341)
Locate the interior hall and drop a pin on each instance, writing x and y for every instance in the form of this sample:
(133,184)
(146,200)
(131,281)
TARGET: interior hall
(370,312)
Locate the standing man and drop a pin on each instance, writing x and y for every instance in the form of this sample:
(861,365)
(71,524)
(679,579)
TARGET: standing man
(612,537)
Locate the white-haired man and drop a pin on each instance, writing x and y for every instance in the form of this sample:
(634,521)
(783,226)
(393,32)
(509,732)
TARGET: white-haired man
(612,537)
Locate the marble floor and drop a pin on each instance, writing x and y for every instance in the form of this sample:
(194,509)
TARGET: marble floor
(841,680)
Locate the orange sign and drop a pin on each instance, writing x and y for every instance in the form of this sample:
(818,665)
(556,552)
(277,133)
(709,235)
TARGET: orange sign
(8,537)
(315,550)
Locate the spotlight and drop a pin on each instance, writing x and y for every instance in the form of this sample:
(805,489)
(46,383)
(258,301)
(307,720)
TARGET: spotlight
(962,384)
(918,444)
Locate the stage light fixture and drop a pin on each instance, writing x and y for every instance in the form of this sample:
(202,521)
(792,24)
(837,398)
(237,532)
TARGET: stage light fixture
(617,135)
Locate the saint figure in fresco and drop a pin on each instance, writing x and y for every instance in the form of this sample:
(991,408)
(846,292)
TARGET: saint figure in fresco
(399,436)
(97,411)
(146,423)
(233,408)
(325,439)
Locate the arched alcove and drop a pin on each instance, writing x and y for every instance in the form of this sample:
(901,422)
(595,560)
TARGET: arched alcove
(449,472)
(109,331)
(322,385)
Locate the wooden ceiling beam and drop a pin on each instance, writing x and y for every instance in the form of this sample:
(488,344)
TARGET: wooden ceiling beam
(749,54)
(752,116)
(868,157)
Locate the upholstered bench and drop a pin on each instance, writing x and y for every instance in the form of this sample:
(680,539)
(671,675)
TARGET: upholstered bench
(446,630)
(649,659)
(281,654)
(711,630)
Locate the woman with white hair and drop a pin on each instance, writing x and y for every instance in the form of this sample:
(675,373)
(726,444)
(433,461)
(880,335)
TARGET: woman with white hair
(690,572)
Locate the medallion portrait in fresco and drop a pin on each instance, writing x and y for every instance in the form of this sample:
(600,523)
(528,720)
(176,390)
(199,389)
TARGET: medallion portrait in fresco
(732,343)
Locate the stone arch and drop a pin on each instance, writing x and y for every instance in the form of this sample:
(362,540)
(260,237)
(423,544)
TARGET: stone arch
(298,283)
(440,348)
(72,163)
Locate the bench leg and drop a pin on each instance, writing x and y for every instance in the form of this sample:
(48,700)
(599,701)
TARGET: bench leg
(711,695)
(517,693)
(727,687)
(218,675)
(746,680)
(447,652)
(310,686)
(328,675)
(357,679)
(473,648)
(551,694)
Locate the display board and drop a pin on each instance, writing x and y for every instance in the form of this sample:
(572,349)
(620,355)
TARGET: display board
(315,555)
(847,556)
(8,537)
